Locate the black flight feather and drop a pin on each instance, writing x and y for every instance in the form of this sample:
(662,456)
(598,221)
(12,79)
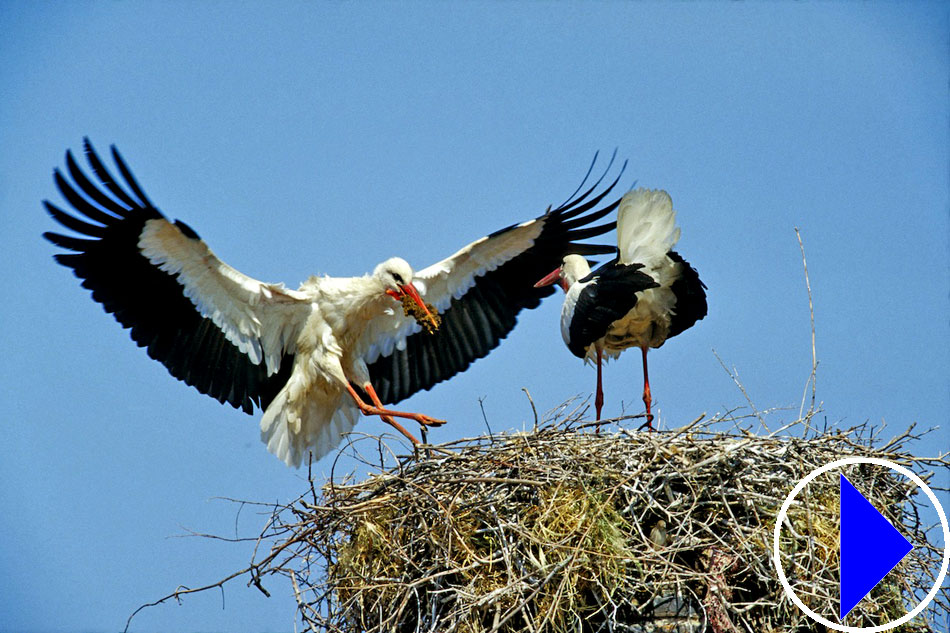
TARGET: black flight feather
(143,298)
(476,322)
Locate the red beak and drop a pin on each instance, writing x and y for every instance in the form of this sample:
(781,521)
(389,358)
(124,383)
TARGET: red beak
(550,278)
(554,277)
(409,289)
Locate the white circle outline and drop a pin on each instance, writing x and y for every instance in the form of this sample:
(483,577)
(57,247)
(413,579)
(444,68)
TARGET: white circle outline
(782,515)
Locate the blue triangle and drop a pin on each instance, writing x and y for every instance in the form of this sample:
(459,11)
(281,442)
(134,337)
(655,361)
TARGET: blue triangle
(870,547)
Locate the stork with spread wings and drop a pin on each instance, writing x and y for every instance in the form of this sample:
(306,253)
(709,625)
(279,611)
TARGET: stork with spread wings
(315,358)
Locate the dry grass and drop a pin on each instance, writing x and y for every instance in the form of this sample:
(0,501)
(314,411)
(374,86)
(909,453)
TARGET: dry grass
(566,529)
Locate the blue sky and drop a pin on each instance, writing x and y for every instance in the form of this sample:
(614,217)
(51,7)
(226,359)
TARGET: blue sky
(309,138)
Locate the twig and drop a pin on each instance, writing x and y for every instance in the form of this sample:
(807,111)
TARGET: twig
(533,409)
(734,374)
(481,405)
(813,378)
(183,591)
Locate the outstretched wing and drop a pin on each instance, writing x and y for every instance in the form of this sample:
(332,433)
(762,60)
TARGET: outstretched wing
(227,335)
(479,292)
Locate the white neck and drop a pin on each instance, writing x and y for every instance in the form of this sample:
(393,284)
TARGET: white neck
(574,267)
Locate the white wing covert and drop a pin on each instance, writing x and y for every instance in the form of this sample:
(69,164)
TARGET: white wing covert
(226,334)
(262,320)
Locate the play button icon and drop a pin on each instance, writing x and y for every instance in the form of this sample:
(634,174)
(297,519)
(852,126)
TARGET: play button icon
(870,547)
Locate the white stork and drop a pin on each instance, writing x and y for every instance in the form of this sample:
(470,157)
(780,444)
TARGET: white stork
(645,296)
(309,358)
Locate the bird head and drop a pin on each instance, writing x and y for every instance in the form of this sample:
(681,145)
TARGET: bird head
(574,267)
(395,275)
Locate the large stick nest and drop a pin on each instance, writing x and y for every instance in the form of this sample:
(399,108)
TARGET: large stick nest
(569,529)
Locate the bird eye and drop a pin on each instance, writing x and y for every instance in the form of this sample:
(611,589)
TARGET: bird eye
(398,278)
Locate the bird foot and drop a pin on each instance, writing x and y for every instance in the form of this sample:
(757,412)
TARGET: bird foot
(425,420)
(377,408)
(648,425)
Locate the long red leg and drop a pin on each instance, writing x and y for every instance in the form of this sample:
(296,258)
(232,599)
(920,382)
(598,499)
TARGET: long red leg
(370,410)
(379,409)
(387,415)
(647,399)
(599,397)
(389,420)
